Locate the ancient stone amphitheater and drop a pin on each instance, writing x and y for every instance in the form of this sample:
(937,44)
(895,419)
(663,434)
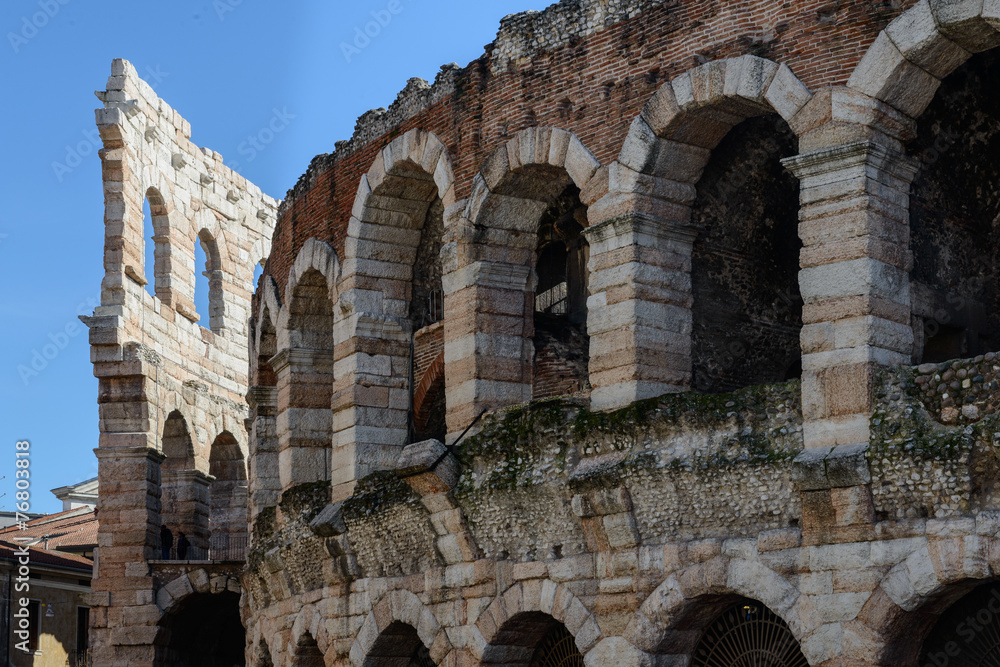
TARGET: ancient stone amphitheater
(661,334)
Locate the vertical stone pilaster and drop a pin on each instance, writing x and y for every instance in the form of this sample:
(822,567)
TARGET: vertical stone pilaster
(488,339)
(263,477)
(370,401)
(639,310)
(854,224)
(305,385)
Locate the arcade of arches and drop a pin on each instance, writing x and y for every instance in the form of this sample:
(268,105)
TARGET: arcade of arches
(593,352)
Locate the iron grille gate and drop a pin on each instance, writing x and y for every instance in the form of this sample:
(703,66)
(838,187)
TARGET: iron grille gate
(557,649)
(748,635)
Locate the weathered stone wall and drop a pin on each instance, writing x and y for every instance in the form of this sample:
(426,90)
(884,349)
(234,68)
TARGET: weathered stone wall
(171,392)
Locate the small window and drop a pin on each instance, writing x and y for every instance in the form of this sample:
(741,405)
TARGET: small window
(34,621)
(201,286)
(149,248)
(258,272)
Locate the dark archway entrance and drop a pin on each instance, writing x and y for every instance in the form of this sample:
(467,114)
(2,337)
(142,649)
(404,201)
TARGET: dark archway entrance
(748,634)
(204,631)
(536,639)
(968,632)
(399,646)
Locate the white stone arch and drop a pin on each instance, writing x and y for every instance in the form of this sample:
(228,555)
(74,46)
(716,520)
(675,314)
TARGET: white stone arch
(652,625)
(650,192)
(400,606)
(387,227)
(939,568)
(314,255)
(304,362)
(905,64)
(309,623)
(535,595)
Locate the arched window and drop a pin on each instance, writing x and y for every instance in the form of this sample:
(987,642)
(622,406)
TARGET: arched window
(209,301)
(156,246)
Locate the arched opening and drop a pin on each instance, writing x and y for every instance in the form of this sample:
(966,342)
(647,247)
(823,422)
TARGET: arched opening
(264,482)
(307,653)
(562,347)
(398,646)
(264,658)
(305,384)
(228,493)
(747,310)
(209,301)
(536,213)
(536,639)
(955,217)
(427,412)
(258,273)
(156,250)
(184,495)
(747,634)
(964,632)
(204,631)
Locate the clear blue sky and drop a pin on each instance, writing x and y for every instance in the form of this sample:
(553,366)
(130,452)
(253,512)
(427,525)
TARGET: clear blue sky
(226,65)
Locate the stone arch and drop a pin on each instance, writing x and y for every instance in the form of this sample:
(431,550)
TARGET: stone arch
(670,620)
(651,190)
(199,609)
(916,590)
(400,617)
(265,333)
(309,640)
(158,276)
(491,283)
(391,280)
(537,603)
(227,498)
(209,240)
(428,392)
(303,366)
(184,489)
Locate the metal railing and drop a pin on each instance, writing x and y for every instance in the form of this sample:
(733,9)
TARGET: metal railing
(221,548)
(81,658)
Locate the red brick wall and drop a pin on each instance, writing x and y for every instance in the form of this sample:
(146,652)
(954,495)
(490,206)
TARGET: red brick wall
(593,87)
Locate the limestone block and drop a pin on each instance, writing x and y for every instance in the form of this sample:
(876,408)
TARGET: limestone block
(963,21)
(749,77)
(330,521)
(916,35)
(884,73)
(786,94)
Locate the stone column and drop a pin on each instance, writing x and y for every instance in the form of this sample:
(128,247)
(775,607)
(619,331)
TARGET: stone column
(639,312)
(305,385)
(371,400)
(854,225)
(488,345)
(122,587)
(264,480)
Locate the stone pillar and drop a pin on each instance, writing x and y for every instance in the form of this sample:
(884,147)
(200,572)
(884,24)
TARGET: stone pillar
(370,402)
(488,339)
(639,311)
(122,586)
(854,224)
(262,465)
(305,385)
